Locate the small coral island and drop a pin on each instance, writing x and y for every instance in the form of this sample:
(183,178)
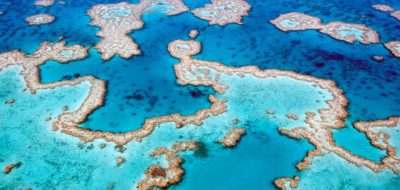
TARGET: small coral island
(233,137)
(393,47)
(163,177)
(40,19)
(44,3)
(223,12)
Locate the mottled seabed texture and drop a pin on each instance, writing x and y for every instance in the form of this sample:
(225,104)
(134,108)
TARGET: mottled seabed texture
(241,104)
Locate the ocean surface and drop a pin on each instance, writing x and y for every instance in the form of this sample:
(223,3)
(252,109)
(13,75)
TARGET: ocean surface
(145,86)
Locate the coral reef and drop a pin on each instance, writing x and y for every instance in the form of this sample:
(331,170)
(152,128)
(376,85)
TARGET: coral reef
(45,3)
(157,176)
(118,20)
(40,19)
(223,12)
(347,32)
(233,137)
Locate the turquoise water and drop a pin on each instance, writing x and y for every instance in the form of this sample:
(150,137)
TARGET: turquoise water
(64,151)
(357,143)
(332,172)
(145,86)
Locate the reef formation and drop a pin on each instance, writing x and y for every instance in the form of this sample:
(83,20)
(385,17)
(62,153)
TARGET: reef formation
(393,47)
(387,9)
(319,124)
(316,125)
(118,20)
(313,123)
(40,19)
(44,3)
(347,32)
(233,137)
(158,176)
(223,12)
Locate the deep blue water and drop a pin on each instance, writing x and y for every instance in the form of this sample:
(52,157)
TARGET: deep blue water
(145,85)
(370,86)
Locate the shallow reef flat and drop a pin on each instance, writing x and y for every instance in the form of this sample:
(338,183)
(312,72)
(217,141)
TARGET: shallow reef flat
(44,3)
(40,19)
(223,12)
(347,32)
(118,20)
